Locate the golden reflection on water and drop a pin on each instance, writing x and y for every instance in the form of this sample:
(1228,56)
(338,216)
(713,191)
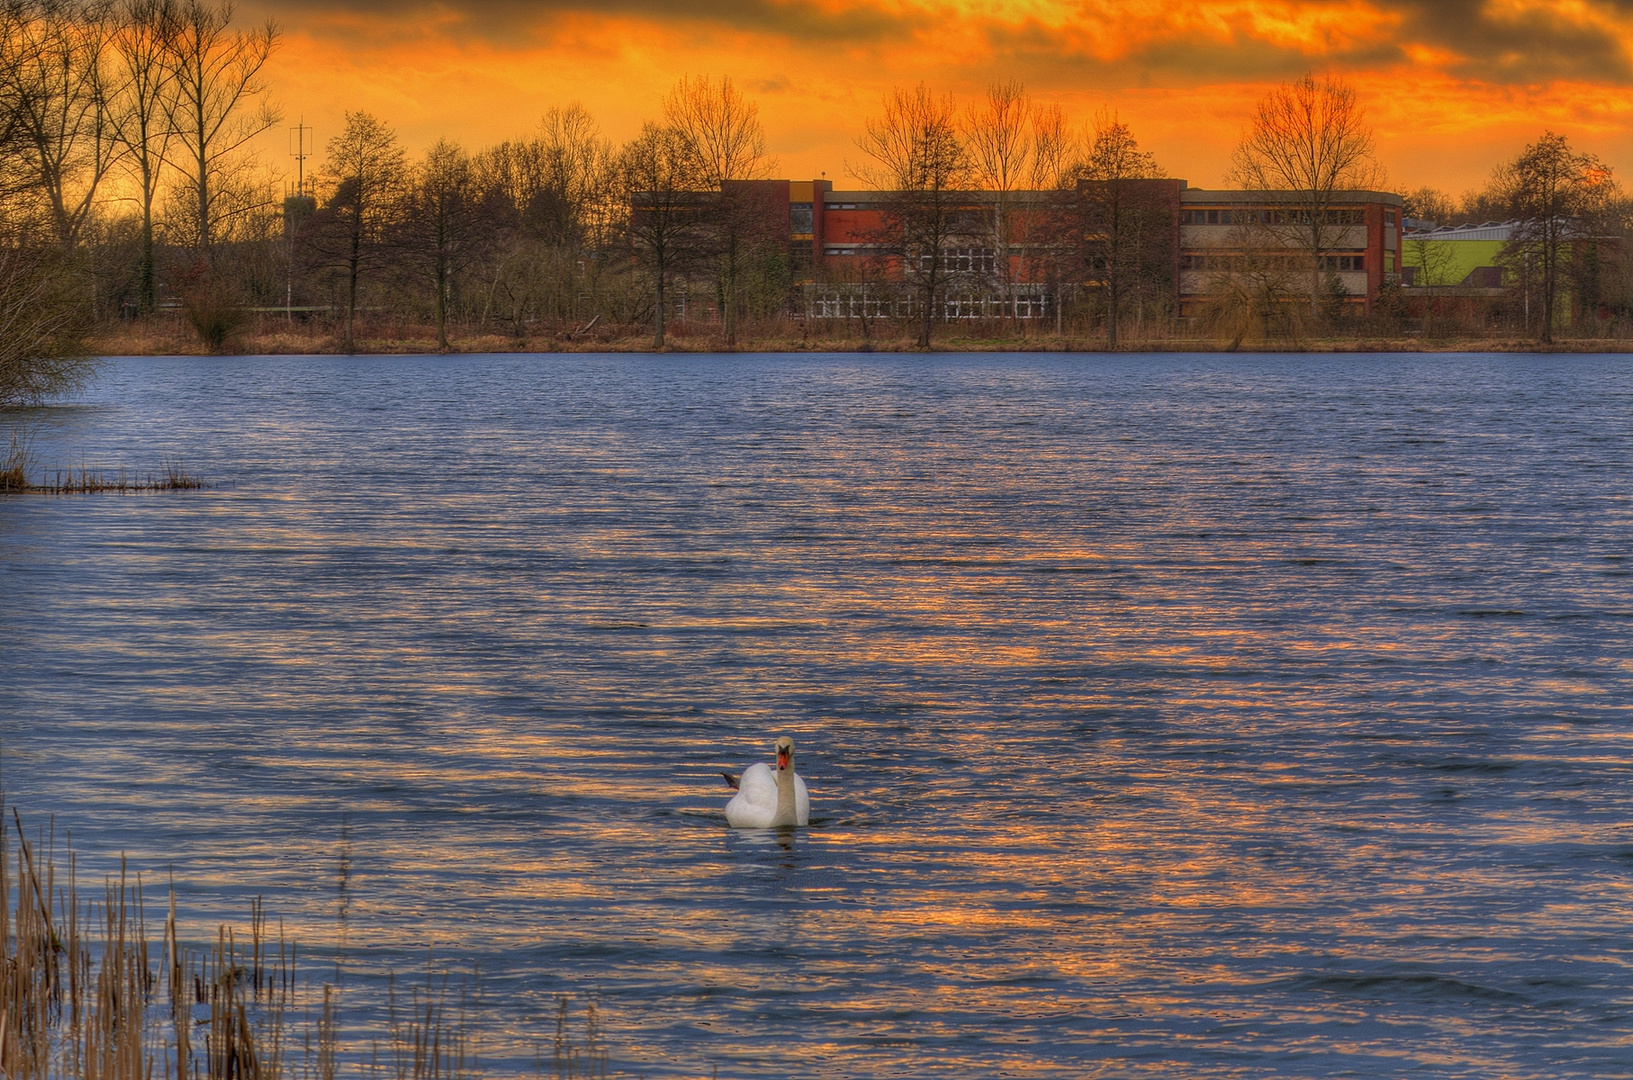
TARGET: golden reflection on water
(1150,726)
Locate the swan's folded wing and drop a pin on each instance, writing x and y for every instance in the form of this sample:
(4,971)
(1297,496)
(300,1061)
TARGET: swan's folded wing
(755,804)
(759,784)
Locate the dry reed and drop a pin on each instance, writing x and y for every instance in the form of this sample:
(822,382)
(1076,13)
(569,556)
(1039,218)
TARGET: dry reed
(81,998)
(14,469)
(89,481)
(18,463)
(570,1060)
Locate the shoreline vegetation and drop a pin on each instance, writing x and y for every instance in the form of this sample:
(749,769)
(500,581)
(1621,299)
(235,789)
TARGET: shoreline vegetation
(274,335)
(17,468)
(138,218)
(87,993)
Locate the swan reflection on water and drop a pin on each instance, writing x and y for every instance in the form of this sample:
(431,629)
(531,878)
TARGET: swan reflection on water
(782,838)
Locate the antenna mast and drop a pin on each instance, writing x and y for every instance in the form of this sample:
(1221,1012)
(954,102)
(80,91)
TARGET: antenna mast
(296,206)
(300,148)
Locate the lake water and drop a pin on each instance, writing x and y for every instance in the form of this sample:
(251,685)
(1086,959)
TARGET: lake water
(1182,716)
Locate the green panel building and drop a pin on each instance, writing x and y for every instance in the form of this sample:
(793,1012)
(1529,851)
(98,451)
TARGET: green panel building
(1464,256)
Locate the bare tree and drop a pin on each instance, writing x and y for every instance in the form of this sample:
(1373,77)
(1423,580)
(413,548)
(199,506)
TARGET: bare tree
(720,129)
(141,41)
(1309,137)
(440,227)
(43,324)
(919,158)
(556,195)
(1555,193)
(576,200)
(1049,239)
(1432,263)
(1128,225)
(1429,204)
(219,106)
(1250,298)
(58,98)
(1054,148)
(364,174)
(666,209)
(1001,138)
(725,144)
(1490,203)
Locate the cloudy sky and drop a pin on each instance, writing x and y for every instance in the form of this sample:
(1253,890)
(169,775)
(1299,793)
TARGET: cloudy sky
(1452,86)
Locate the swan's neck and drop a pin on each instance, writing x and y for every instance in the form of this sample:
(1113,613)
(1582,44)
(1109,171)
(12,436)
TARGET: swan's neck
(787,813)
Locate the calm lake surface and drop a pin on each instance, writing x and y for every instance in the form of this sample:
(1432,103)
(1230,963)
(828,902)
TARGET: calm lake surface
(1182,716)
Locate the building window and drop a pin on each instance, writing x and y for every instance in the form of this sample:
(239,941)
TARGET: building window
(1284,261)
(963,261)
(799,218)
(1269,215)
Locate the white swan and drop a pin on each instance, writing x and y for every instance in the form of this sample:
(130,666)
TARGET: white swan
(767,798)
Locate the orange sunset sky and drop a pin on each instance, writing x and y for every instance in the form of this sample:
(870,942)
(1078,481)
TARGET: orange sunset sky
(1451,87)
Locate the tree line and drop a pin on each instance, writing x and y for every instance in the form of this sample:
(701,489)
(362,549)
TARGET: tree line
(129,186)
(1570,226)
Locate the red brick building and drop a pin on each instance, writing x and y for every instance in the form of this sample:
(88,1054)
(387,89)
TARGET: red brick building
(843,242)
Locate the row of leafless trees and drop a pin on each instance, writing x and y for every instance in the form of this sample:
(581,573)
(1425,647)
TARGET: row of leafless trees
(1571,225)
(564,228)
(128,182)
(159,98)
(1055,207)
(110,102)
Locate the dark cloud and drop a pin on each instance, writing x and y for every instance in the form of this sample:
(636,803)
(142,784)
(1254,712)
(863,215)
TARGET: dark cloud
(1533,47)
(520,20)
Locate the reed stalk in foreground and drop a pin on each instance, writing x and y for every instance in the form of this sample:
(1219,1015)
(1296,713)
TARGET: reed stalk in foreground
(81,999)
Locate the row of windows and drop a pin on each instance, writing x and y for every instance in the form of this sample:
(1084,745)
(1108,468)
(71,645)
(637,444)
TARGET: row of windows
(1236,263)
(852,307)
(839,306)
(953,260)
(966,261)
(1239,216)
(1258,215)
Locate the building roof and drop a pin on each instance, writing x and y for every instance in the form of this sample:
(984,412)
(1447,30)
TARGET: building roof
(1260,197)
(1501,231)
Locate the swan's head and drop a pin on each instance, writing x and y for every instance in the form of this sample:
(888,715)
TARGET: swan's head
(785,753)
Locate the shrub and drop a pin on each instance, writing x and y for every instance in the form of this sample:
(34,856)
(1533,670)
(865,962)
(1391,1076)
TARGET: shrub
(43,326)
(214,310)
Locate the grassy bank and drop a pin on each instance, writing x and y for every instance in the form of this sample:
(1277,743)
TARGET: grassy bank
(273,334)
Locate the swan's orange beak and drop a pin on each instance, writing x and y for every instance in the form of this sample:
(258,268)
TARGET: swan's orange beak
(782,759)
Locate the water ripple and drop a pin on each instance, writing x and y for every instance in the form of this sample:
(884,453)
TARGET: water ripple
(1185,716)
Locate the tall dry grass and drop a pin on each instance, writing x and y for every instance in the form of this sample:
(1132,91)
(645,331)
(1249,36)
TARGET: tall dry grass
(17,464)
(14,467)
(82,998)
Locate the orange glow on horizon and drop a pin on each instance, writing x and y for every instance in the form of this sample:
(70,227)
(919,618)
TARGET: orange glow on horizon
(1184,77)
